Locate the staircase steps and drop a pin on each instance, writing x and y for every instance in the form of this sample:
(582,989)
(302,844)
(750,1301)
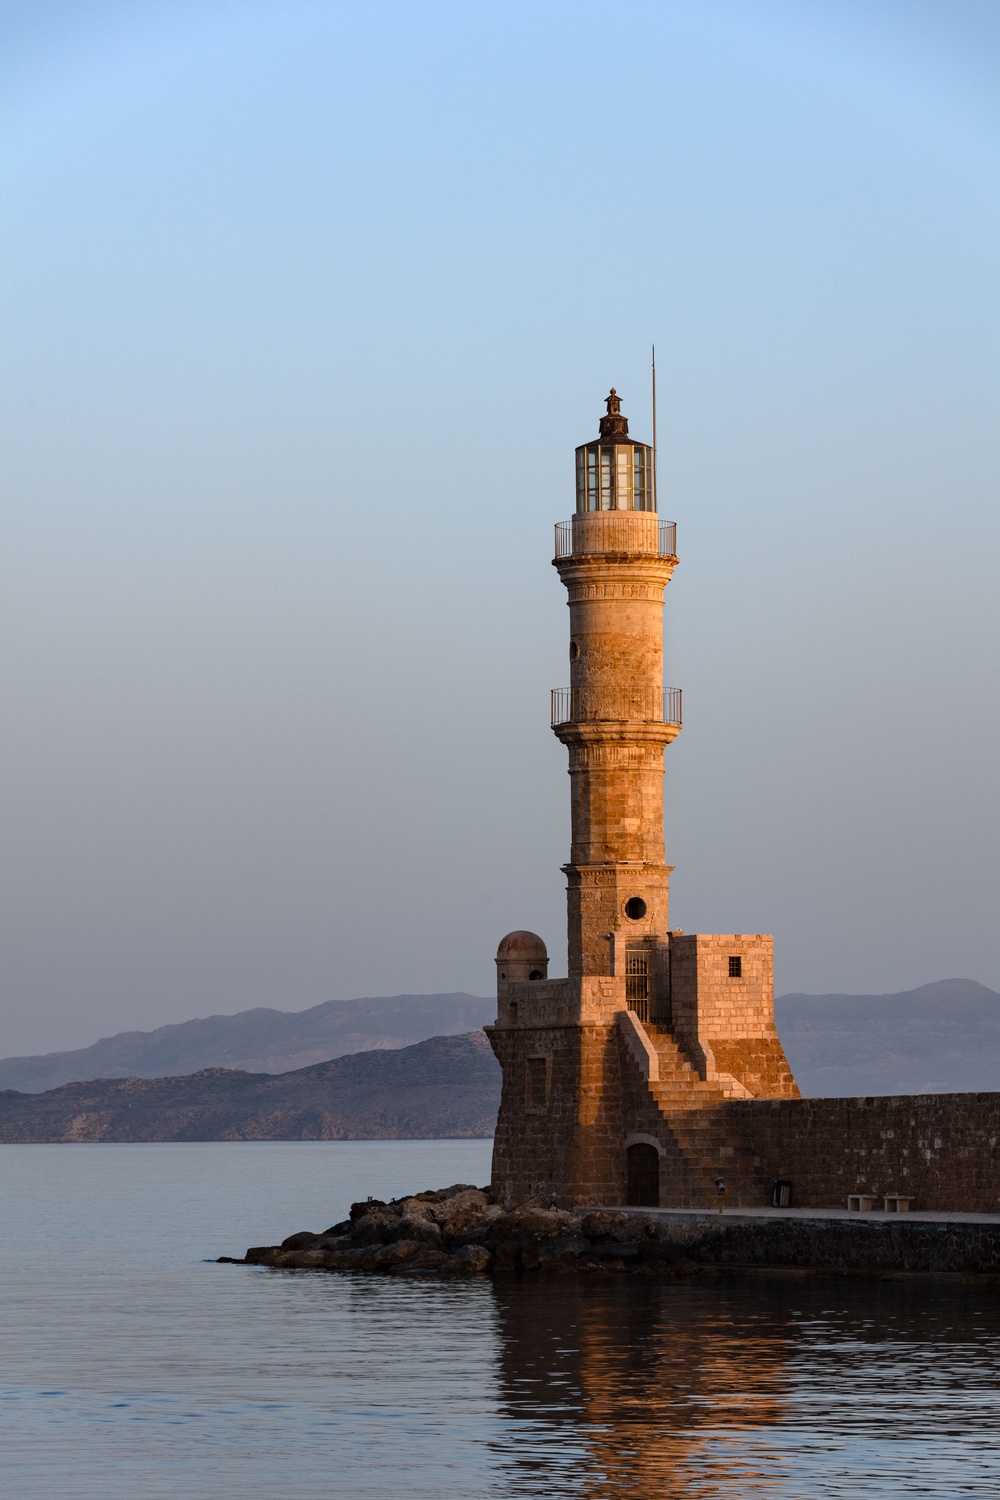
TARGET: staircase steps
(683,1099)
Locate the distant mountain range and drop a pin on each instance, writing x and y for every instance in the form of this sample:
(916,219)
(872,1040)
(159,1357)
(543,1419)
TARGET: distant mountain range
(446,1087)
(242,1077)
(939,1039)
(255,1041)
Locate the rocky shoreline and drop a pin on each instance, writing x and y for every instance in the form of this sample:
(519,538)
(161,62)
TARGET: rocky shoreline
(459,1231)
(462,1231)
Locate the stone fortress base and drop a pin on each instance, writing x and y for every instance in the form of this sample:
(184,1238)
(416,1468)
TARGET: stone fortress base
(604,1105)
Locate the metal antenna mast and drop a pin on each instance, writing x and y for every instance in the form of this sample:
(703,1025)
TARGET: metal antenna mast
(655,497)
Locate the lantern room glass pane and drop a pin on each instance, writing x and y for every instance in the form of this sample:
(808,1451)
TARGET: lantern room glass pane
(581,481)
(639,488)
(593,502)
(622,476)
(607,479)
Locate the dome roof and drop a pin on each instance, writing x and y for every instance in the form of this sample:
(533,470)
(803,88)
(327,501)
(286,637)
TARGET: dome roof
(525,945)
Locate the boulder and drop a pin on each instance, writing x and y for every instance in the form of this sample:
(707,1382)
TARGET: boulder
(429,1259)
(352,1258)
(594,1263)
(609,1252)
(535,1223)
(399,1253)
(562,1253)
(375,1228)
(639,1227)
(602,1222)
(334,1242)
(336,1230)
(313,1259)
(414,1208)
(456,1212)
(421,1228)
(358,1210)
(299,1241)
(470,1260)
(477,1227)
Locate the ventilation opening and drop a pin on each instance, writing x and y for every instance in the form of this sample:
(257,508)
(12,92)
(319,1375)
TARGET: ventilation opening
(643,1170)
(735,966)
(635,908)
(637,981)
(537,1084)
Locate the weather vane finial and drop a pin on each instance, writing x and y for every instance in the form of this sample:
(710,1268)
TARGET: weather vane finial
(614,427)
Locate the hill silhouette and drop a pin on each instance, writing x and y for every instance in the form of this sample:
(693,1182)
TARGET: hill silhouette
(255,1041)
(939,1038)
(448,1086)
(942,1038)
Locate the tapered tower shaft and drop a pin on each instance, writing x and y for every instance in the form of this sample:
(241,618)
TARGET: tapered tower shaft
(615,558)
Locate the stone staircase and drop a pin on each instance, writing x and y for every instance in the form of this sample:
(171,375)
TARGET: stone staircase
(706,1146)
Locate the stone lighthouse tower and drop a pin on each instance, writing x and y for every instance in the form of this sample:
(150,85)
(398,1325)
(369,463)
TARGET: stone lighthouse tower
(615,558)
(608,1073)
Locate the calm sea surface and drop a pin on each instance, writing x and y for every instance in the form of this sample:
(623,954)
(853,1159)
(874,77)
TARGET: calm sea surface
(132,1366)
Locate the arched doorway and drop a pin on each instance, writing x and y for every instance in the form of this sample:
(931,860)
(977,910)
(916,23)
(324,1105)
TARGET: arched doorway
(643,1170)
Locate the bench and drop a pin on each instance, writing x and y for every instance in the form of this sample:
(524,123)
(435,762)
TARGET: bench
(860,1203)
(896,1204)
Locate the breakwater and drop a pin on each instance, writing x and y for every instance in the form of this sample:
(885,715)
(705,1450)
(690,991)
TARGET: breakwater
(460,1231)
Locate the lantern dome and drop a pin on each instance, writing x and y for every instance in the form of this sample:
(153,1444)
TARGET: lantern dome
(520,956)
(615,471)
(524,945)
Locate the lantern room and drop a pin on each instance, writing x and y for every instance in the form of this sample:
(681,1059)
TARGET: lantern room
(614,472)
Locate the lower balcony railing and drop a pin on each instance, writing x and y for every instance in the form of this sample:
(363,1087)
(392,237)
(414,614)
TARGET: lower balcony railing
(650,705)
(616,531)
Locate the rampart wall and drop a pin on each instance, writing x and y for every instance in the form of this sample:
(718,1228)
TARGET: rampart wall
(939,1149)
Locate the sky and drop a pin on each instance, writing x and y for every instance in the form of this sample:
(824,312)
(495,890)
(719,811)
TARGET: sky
(304,307)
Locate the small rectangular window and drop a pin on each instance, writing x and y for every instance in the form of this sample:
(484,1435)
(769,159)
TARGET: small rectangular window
(538,1080)
(735,966)
(637,981)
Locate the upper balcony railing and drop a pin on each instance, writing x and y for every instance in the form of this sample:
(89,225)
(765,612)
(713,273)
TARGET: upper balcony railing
(616,531)
(650,705)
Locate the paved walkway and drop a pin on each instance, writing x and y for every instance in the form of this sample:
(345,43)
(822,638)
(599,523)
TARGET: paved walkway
(927,1216)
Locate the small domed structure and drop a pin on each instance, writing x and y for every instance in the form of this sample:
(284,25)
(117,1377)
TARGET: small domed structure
(520,956)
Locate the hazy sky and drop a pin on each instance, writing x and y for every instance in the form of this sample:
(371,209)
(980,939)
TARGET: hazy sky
(304,307)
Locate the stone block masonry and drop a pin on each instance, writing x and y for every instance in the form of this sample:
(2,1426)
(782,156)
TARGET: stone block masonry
(721,1009)
(940,1150)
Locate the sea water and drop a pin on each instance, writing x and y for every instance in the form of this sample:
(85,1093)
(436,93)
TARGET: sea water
(133,1366)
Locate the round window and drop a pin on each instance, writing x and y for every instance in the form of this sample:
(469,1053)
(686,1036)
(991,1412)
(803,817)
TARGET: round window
(635,908)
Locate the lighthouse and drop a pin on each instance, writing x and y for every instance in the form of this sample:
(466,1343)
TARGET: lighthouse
(610,1072)
(615,558)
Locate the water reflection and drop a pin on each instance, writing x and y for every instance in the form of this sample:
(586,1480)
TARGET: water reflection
(739,1387)
(132,1366)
